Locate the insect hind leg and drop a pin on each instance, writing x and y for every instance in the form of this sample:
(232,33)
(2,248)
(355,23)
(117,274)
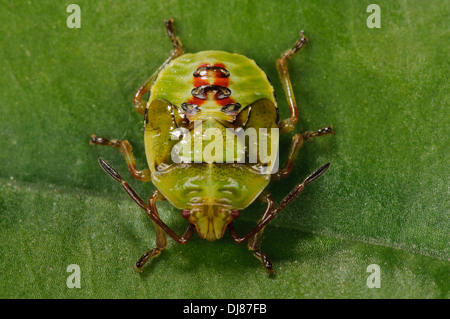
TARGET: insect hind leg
(125,148)
(254,243)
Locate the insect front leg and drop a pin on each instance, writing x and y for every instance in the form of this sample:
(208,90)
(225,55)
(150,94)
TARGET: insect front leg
(161,241)
(254,243)
(152,213)
(161,244)
(288,125)
(296,144)
(125,147)
(139,104)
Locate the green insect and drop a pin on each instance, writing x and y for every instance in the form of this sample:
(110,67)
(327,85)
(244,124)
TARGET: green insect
(190,96)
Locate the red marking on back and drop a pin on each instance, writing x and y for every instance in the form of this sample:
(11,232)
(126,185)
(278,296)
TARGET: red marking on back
(217,78)
(222,82)
(225,101)
(194,100)
(220,65)
(203,65)
(200,81)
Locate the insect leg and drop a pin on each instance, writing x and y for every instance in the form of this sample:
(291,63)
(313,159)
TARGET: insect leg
(254,243)
(296,144)
(288,125)
(149,210)
(177,46)
(161,241)
(139,104)
(156,251)
(125,147)
(268,216)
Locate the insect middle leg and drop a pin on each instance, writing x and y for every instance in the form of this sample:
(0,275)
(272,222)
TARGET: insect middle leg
(139,103)
(125,147)
(296,144)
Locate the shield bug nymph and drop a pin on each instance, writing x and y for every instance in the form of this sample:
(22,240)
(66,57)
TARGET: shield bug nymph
(190,96)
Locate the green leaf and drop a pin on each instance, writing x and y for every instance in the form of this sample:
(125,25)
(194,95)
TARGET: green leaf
(383,201)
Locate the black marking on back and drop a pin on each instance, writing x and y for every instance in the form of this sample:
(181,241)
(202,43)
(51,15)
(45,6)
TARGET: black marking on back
(203,71)
(201,92)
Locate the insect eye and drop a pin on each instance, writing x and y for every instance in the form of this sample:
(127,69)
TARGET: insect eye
(231,109)
(185,213)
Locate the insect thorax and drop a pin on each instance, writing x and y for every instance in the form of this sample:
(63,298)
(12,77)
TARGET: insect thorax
(212,84)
